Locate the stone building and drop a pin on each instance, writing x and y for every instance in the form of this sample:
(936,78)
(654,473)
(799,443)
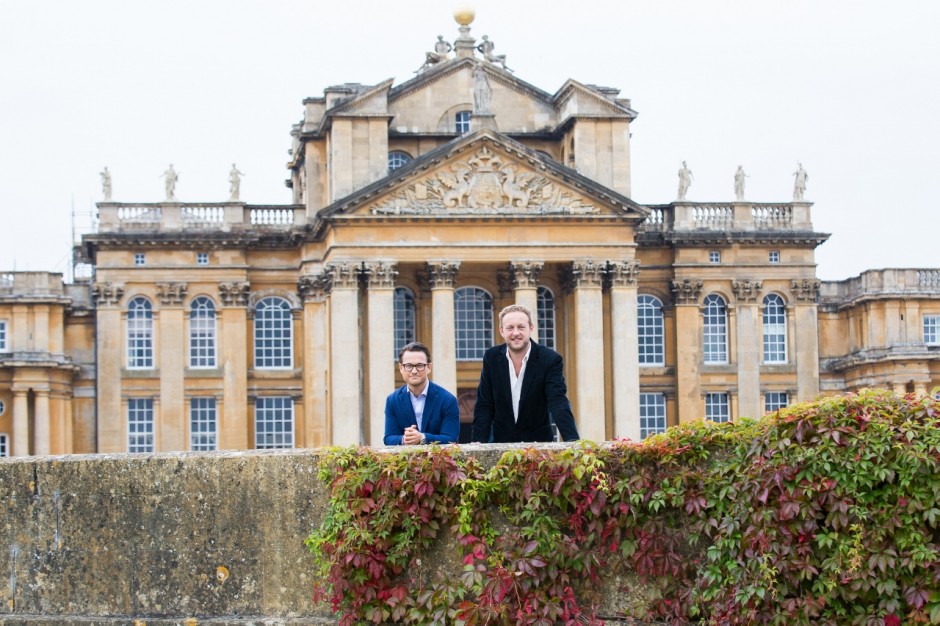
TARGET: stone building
(420,210)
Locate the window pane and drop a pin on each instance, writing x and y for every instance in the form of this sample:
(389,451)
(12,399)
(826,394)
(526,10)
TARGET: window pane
(463,122)
(775,400)
(717,408)
(139,334)
(273,334)
(775,330)
(652,414)
(202,333)
(202,424)
(3,336)
(932,329)
(546,317)
(651,331)
(140,425)
(404,318)
(397,158)
(274,422)
(473,318)
(715,330)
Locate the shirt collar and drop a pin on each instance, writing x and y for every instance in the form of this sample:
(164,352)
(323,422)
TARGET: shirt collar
(424,392)
(525,358)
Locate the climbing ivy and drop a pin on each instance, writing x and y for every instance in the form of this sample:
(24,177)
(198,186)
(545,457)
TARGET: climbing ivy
(822,513)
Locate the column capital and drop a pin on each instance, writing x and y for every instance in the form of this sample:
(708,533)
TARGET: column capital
(380,274)
(172,294)
(587,273)
(442,274)
(746,291)
(234,293)
(314,287)
(343,275)
(686,291)
(525,274)
(107,294)
(623,273)
(805,290)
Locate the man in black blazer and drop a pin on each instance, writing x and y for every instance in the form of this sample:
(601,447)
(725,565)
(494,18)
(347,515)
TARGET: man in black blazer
(522,387)
(420,411)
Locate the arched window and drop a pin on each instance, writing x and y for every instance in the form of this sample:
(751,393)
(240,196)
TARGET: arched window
(715,329)
(139,334)
(473,319)
(397,158)
(202,333)
(545,304)
(404,318)
(650,331)
(462,122)
(273,334)
(775,329)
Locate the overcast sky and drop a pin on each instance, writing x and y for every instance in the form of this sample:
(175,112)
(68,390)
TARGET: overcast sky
(849,88)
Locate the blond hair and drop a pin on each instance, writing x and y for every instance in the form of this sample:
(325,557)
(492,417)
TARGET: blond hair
(515,308)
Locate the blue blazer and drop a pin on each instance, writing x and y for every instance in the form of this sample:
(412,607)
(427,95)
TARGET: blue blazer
(440,421)
(543,399)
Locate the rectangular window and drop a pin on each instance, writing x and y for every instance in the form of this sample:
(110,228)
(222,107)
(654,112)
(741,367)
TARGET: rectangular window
(140,425)
(139,258)
(462,122)
(774,256)
(202,258)
(3,336)
(202,424)
(717,408)
(652,414)
(274,422)
(932,330)
(714,256)
(4,445)
(775,400)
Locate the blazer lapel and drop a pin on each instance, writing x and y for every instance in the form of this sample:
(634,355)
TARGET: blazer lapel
(531,370)
(430,408)
(408,411)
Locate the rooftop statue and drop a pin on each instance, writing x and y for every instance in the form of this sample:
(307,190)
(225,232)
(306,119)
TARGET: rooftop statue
(482,92)
(169,183)
(235,183)
(799,183)
(739,177)
(486,49)
(106,184)
(439,54)
(685,181)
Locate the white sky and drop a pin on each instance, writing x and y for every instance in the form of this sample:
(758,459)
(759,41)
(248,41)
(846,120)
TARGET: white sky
(848,87)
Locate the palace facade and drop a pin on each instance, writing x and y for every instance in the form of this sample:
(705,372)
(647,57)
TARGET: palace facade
(419,211)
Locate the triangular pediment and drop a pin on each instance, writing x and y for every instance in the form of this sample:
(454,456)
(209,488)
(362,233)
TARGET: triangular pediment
(577,99)
(373,101)
(485,174)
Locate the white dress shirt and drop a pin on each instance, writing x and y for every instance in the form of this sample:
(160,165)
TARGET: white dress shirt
(417,402)
(515,382)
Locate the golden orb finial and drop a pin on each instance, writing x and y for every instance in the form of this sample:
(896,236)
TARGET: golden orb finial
(464,14)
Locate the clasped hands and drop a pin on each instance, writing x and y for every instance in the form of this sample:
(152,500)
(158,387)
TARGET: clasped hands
(412,436)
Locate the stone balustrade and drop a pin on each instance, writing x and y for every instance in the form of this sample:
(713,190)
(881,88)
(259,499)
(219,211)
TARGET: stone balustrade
(729,216)
(882,283)
(175,216)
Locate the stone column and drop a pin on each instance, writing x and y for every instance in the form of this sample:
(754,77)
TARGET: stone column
(381,349)
(686,295)
(170,428)
(345,351)
(42,431)
(442,275)
(625,349)
(316,432)
(110,350)
(806,292)
(589,349)
(525,284)
(746,294)
(233,423)
(20,422)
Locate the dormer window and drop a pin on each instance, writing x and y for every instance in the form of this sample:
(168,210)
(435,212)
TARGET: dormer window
(397,158)
(463,122)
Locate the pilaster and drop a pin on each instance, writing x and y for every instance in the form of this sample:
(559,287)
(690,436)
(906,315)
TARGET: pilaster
(381,346)
(442,276)
(170,422)
(625,349)
(686,295)
(806,293)
(316,431)
(345,354)
(110,348)
(20,422)
(589,350)
(234,433)
(747,294)
(42,431)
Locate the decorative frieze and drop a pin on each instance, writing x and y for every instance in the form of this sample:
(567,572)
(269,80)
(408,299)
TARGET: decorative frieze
(686,291)
(171,294)
(380,274)
(525,274)
(234,293)
(314,288)
(805,289)
(483,185)
(107,294)
(747,291)
(343,275)
(587,274)
(623,273)
(442,274)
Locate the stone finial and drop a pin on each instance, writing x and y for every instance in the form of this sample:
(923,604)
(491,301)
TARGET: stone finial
(525,274)
(587,273)
(380,274)
(805,290)
(107,294)
(686,291)
(343,275)
(314,288)
(442,274)
(171,294)
(746,290)
(623,273)
(234,293)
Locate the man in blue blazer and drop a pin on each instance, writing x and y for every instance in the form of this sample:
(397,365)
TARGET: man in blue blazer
(522,387)
(420,412)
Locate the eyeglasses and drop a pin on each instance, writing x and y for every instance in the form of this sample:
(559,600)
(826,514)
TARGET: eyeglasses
(414,366)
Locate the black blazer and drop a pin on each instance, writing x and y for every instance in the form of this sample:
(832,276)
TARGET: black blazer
(543,399)
(440,421)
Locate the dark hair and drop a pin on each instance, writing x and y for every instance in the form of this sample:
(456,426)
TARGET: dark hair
(414,346)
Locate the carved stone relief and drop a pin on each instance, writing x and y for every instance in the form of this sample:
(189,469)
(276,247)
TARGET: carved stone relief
(234,293)
(686,291)
(746,290)
(587,274)
(805,290)
(343,275)
(442,274)
(107,294)
(623,273)
(171,294)
(483,185)
(314,288)
(525,274)
(380,274)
